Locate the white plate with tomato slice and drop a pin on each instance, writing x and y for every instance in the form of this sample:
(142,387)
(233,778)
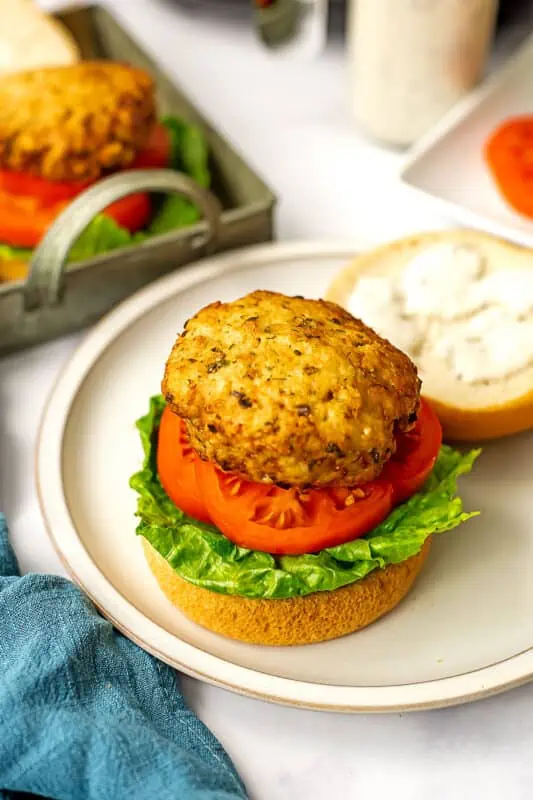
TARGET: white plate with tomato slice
(475,164)
(465,630)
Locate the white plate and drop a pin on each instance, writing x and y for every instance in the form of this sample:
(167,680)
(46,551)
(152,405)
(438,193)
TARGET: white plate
(448,166)
(466,629)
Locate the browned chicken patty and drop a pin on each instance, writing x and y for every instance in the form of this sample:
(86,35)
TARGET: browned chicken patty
(74,122)
(290,391)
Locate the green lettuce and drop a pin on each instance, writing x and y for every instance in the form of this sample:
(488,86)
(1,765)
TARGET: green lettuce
(18,253)
(200,554)
(189,154)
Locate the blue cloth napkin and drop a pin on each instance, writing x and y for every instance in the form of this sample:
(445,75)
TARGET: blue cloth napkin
(84,713)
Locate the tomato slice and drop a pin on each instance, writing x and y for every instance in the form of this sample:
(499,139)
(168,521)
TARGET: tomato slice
(292,521)
(289,521)
(415,456)
(157,152)
(47,192)
(509,155)
(176,466)
(131,212)
(24,219)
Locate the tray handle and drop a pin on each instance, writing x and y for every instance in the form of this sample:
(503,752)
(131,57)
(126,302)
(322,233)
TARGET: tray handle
(44,283)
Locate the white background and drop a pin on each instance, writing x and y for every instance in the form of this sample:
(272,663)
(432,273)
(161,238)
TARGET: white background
(292,123)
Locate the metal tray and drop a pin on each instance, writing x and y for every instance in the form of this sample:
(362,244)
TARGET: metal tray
(55,300)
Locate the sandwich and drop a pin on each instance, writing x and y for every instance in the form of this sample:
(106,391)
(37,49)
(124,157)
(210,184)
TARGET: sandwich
(64,128)
(293,475)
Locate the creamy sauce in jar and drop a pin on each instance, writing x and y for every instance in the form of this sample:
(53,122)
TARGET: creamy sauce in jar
(411,60)
(446,302)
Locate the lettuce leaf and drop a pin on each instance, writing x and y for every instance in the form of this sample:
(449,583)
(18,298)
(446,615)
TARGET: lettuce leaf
(174,212)
(100,236)
(18,253)
(189,154)
(200,554)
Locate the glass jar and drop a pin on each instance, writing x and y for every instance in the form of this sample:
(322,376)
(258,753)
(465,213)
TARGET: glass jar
(411,60)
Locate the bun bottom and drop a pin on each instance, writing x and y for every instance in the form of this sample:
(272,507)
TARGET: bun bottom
(300,620)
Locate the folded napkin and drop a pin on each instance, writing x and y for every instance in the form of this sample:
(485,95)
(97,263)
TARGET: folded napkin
(84,712)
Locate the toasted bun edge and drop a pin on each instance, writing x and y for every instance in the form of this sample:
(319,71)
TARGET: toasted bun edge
(316,617)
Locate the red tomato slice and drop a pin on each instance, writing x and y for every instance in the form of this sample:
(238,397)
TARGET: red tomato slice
(288,521)
(46,192)
(175,465)
(157,152)
(131,212)
(24,219)
(415,456)
(509,156)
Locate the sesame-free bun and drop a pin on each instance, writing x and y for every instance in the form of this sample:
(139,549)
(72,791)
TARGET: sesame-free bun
(32,39)
(468,412)
(299,620)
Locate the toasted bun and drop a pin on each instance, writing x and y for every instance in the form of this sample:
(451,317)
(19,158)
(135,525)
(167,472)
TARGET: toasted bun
(12,269)
(300,620)
(31,39)
(467,412)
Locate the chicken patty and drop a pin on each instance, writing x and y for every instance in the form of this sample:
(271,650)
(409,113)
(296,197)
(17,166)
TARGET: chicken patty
(74,122)
(290,391)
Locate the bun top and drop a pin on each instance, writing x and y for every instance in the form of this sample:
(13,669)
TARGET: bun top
(29,38)
(461,303)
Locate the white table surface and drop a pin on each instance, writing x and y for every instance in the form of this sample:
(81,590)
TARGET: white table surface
(291,122)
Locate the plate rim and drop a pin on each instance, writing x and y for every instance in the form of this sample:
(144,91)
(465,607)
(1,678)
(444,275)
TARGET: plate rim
(133,623)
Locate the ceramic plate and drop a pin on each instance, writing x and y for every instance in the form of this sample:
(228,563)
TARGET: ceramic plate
(466,629)
(448,166)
